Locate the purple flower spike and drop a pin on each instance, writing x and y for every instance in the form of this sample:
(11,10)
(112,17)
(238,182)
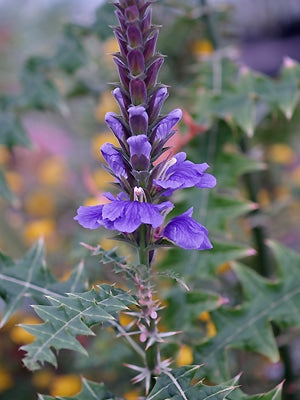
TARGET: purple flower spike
(140,150)
(177,173)
(116,126)
(156,102)
(150,45)
(164,127)
(138,91)
(114,160)
(187,233)
(138,120)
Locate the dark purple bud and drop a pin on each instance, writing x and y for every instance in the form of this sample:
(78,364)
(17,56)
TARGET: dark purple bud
(134,36)
(121,19)
(146,22)
(116,126)
(122,101)
(132,13)
(122,43)
(156,102)
(152,72)
(123,72)
(150,45)
(140,149)
(138,91)
(136,62)
(138,120)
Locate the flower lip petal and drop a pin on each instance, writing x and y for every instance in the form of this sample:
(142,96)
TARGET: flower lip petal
(90,216)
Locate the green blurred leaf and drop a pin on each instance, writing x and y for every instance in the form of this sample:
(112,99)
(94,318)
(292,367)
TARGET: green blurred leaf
(178,385)
(90,391)
(12,132)
(70,54)
(5,191)
(31,277)
(68,317)
(105,17)
(248,326)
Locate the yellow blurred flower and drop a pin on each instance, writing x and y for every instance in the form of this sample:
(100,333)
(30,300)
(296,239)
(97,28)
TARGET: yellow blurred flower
(52,171)
(15,181)
(42,379)
(211,330)
(223,268)
(4,155)
(39,203)
(106,104)
(202,48)
(263,198)
(65,385)
(110,46)
(184,356)
(35,229)
(132,395)
(281,153)
(295,175)
(99,140)
(102,178)
(6,381)
(107,243)
(125,319)
(19,335)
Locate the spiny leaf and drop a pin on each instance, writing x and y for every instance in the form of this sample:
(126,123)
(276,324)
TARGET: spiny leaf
(248,326)
(178,385)
(275,394)
(68,317)
(90,391)
(31,277)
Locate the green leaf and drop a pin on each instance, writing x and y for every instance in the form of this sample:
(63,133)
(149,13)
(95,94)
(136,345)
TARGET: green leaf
(228,167)
(39,91)
(222,209)
(275,394)
(70,54)
(68,317)
(4,189)
(104,17)
(184,307)
(31,277)
(90,391)
(248,326)
(12,132)
(177,385)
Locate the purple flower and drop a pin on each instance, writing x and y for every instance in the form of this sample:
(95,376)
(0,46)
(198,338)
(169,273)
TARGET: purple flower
(140,149)
(187,233)
(177,173)
(138,120)
(114,123)
(114,160)
(121,215)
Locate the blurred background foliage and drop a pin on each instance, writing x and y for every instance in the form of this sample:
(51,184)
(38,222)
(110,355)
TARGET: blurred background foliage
(232,67)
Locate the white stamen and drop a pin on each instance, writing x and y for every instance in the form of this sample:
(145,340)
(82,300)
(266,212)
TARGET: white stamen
(167,165)
(139,194)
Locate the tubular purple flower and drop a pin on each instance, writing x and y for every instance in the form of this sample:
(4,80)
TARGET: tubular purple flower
(122,100)
(140,149)
(138,91)
(152,72)
(136,62)
(114,160)
(134,36)
(138,120)
(187,233)
(165,126)
(178,173)
(116,126)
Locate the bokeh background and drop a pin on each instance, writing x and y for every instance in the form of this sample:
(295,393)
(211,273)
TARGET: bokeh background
(62,169)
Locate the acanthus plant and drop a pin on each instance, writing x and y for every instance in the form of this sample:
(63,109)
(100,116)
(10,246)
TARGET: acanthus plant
(145,177)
